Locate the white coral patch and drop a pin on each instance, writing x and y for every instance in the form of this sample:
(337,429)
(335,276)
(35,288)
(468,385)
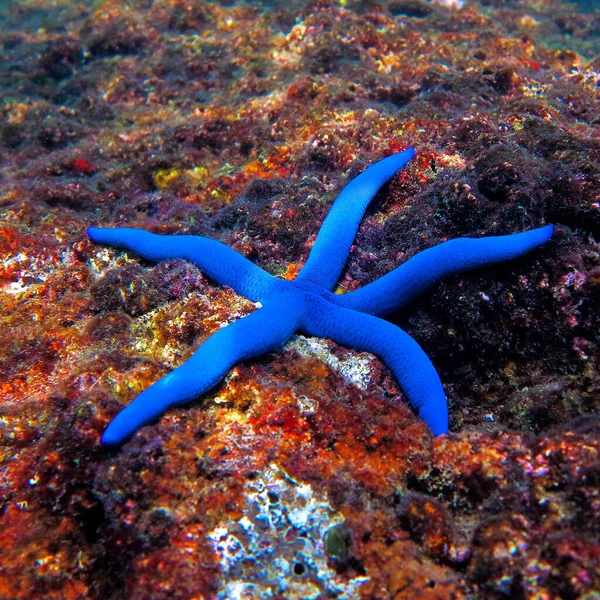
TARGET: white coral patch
(278,546)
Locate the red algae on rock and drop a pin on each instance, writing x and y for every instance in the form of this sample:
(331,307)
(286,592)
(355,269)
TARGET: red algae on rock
(303,474)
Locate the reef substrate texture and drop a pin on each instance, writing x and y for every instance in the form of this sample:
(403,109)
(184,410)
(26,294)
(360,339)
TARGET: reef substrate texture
(304,474)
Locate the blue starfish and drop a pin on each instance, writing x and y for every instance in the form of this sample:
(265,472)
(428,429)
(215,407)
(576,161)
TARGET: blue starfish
(307,304)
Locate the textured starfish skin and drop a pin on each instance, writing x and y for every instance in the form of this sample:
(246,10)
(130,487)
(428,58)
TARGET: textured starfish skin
(308,305)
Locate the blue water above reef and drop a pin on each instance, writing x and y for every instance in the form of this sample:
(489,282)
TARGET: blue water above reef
(588,5)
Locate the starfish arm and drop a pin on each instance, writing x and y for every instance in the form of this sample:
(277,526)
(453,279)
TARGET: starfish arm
(217,260)
(400,352)
(330,250)
(262,331)
(405,283)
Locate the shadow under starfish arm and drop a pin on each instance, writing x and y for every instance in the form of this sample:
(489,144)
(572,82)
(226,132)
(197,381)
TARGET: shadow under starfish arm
(263,330)
(330,250)
(218,261)
(398,350)
(408,281)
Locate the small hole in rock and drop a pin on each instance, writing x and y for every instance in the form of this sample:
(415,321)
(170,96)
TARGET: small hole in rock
(299,569)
